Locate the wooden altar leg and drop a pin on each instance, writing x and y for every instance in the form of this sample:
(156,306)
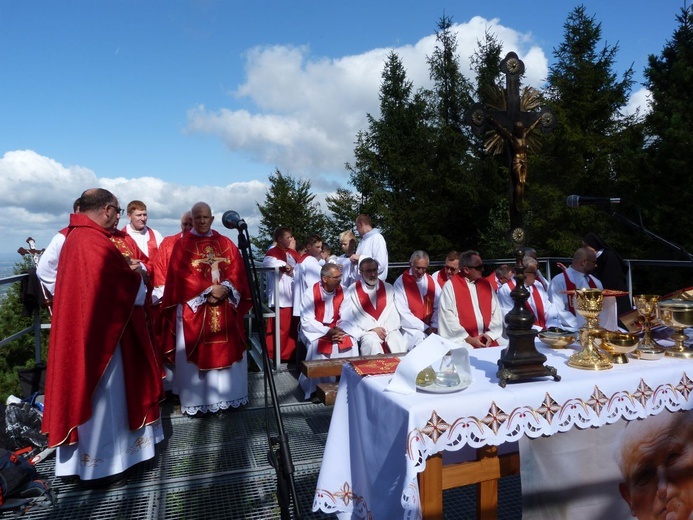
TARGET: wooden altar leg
(431,488)
(487,491)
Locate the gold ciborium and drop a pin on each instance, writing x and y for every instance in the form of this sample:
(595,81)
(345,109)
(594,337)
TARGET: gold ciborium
(588,304)
(646,305)
(677,314)
(618,344)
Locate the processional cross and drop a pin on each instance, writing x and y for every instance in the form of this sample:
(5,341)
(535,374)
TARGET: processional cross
(507,123)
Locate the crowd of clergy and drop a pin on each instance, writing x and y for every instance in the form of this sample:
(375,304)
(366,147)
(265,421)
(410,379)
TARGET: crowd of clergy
(136,314)
(343,306)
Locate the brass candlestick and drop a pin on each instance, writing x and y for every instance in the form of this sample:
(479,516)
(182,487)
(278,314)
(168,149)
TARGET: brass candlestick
(677,314)
(589,303)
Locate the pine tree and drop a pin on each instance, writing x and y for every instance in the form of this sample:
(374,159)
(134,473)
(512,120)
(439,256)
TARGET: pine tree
(665,193)
(581,154)
(290,203)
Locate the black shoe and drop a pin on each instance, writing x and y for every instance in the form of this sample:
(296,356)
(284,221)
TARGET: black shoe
(111,482)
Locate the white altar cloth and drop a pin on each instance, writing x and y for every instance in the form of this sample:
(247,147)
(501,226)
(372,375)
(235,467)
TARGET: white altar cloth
(379,441)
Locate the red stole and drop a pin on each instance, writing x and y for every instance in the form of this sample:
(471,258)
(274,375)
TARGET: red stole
(493,281)
(86,330)
(540,314)
(324,343)
(421,307)
(570,286)
(365,300)
(442,277)
(465,311)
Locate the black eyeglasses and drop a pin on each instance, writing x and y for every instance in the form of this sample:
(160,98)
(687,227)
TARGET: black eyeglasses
(119,210)
(477,267)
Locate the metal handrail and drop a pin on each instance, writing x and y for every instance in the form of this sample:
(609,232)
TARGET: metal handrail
(36,326)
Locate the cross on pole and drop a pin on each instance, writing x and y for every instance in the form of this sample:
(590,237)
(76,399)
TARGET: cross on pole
(514,125)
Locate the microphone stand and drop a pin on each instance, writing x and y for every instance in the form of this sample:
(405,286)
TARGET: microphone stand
(640,226)
(279,454)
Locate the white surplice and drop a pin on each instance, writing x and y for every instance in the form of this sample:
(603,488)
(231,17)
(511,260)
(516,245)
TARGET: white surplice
(412,327)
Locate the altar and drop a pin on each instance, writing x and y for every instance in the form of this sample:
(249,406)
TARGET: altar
(380,441)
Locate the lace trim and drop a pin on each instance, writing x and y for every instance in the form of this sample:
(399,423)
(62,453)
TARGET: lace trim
(214,408)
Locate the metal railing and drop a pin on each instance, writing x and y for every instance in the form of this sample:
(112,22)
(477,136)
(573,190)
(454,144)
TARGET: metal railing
(544,263)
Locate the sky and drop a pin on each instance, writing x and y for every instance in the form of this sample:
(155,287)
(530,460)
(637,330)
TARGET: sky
(176,101)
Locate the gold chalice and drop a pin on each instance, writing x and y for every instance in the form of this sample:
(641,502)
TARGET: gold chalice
(646,305)
(557,338)
(618,344)
(677,314)
(588,304)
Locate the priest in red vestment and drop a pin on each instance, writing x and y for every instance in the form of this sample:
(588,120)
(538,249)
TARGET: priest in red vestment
(165,342)
(321,329)
(450,269)
(207,295)
(103,382)
(416,298)
(468,310)
(283,257)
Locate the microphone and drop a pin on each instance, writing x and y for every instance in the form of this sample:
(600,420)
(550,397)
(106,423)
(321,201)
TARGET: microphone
(575,201)
(232,220)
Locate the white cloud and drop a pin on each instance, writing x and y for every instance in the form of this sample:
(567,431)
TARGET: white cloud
(639,102)
(308,110)
(37,192)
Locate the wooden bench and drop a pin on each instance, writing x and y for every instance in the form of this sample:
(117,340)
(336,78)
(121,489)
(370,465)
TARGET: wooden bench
(316,368)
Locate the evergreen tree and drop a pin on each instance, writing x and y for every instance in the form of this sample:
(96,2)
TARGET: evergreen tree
(664,192)
(582,153)
(290,203)
(344,208)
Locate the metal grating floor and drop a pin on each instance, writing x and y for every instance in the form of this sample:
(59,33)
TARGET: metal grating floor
(216,467)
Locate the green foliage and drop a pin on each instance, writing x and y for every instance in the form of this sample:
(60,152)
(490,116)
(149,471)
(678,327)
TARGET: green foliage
(344,208)
(669,137)
(590,148)
(18,353)
(289,203)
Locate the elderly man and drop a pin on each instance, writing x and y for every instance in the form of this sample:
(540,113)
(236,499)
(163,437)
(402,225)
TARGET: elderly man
(577,276)
(104,379)
(468,310)
(206,297)
(147,239)
(369,314)
(416,298)
(284,257)
(500,276)
(656,461)
(451,268)
(545,314)
(372,245)
(321,329)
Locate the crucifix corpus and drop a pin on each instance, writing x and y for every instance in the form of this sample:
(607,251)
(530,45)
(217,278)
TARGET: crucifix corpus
(507,123)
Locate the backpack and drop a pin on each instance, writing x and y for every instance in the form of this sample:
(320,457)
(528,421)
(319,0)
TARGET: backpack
(19,484)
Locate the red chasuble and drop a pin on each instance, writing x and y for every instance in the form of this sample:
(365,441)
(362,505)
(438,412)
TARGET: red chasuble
(324,343)
(214,335)
(160,264)
(463,300)
(93,310)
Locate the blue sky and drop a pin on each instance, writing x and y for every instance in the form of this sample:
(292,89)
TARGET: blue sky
(176,101)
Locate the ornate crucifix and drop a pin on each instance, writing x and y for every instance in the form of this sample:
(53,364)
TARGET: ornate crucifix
(508,125)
